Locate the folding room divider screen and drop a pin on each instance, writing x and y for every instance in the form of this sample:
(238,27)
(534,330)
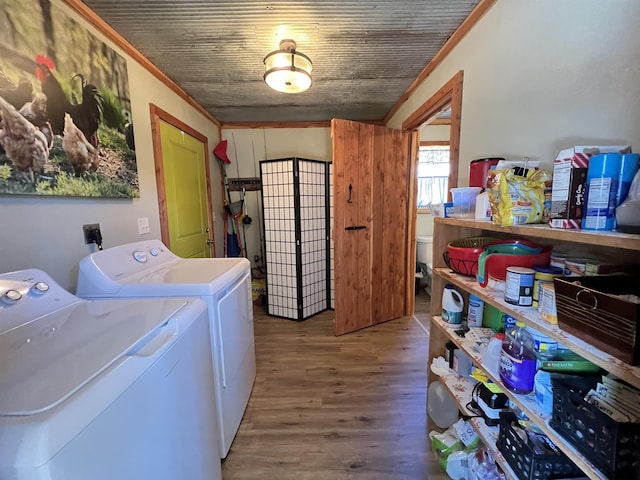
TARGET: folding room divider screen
(295,205)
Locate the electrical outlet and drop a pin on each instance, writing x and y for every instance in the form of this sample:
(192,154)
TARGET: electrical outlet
(89,232)
(143,225)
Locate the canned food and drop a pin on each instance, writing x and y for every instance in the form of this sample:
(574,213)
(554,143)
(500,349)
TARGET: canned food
(519,286)
(547,307)
(544,274)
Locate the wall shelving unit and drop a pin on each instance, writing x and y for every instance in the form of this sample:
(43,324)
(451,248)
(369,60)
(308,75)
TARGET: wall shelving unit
(601,245)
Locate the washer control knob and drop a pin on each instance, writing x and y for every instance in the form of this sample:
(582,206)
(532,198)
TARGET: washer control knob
(10,297)
(40,288)
(140,256)
(154,252)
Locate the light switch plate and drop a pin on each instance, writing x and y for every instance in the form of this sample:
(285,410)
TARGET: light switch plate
(143,225)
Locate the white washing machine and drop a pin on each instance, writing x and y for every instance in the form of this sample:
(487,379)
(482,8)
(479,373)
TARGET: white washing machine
(103,390)
(150,269)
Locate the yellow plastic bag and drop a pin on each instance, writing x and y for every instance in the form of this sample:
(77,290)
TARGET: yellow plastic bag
(520,196)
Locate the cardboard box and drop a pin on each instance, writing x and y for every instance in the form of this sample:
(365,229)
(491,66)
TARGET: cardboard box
(570,183)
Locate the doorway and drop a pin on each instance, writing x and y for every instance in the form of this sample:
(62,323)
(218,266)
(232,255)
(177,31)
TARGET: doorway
(184,186)
(444,106)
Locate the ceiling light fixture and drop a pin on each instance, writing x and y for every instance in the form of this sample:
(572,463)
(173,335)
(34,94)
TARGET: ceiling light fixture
(287,70)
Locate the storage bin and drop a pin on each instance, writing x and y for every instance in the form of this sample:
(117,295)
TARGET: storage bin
(528,465)
(612,446)
(591,308)
(464,201)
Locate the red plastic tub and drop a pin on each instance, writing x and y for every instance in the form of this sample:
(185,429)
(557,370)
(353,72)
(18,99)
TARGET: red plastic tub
(479,169)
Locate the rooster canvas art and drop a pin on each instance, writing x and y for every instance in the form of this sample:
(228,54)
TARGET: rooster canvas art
(62,98)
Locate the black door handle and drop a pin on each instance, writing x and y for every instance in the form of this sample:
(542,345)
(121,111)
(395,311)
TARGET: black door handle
(355,227)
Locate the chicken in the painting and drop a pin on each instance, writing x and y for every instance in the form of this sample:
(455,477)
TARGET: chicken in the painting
(82,155)
(36,112)
(16,95)
(24,144)
(86,115)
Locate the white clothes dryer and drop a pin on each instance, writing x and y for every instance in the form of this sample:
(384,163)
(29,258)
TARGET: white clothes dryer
(150,269)
(105,389)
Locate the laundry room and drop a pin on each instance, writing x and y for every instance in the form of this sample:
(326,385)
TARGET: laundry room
(177,168)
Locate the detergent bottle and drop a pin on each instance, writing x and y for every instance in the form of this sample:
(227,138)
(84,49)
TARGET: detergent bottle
(452,305)
(518,361)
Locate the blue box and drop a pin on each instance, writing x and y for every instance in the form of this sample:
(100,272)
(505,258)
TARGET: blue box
(448,210)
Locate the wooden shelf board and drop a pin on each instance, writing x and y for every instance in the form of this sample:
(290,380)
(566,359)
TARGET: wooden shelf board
(588,237)
(531,317)
(527,403)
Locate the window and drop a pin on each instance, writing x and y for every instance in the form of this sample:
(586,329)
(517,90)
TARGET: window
(433,175)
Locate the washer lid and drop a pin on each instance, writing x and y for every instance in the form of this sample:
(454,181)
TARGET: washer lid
(42,363)
(188,276)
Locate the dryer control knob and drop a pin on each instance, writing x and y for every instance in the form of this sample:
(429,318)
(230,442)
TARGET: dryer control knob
(40,288)
(10,297)
(140,256)
(154,252)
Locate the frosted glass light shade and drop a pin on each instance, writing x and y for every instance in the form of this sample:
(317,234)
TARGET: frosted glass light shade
(287,70)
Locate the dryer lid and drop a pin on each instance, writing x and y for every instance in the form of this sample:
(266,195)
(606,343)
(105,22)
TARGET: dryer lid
(44,362)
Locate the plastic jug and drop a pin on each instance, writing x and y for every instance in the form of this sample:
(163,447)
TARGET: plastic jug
(491,356)
(518,359)
(452,305)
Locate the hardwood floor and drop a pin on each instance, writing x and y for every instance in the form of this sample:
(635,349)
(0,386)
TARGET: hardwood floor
(326,407)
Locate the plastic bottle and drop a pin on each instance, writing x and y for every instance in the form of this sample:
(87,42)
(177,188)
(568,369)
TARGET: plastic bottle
(491,356)
(602,187)
(518,359)
(452,305)
(475,311)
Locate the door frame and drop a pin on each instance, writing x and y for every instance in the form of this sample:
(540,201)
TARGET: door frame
(450,94)
(158,115)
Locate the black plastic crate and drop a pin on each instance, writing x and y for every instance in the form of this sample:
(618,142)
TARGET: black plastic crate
(527,464)
(612,446)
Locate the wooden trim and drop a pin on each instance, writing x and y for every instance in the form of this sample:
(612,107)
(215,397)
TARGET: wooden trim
(103,27)
(434,143)
(449,95)
(249,125)
(158,115)
(412,183)
(434,105)
(441,121)
(464,28)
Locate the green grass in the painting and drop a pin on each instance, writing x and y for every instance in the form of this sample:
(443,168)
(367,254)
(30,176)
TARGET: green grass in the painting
(112,115)
(5,173)
(111,138)
(89,185)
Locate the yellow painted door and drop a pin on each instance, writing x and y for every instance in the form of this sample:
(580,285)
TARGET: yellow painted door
(371,207)
(186,193)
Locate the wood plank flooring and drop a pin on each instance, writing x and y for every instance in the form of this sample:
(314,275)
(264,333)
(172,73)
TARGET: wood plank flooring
(326,407)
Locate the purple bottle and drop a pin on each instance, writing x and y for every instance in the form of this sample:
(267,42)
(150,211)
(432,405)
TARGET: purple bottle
(518,359)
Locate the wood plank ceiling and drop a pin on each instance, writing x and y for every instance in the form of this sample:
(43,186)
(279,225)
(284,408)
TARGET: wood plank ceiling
(365,53)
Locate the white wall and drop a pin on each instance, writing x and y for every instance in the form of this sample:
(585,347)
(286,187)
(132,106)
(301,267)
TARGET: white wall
(541,76)
(46,233)
(247,147)
(433,133)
